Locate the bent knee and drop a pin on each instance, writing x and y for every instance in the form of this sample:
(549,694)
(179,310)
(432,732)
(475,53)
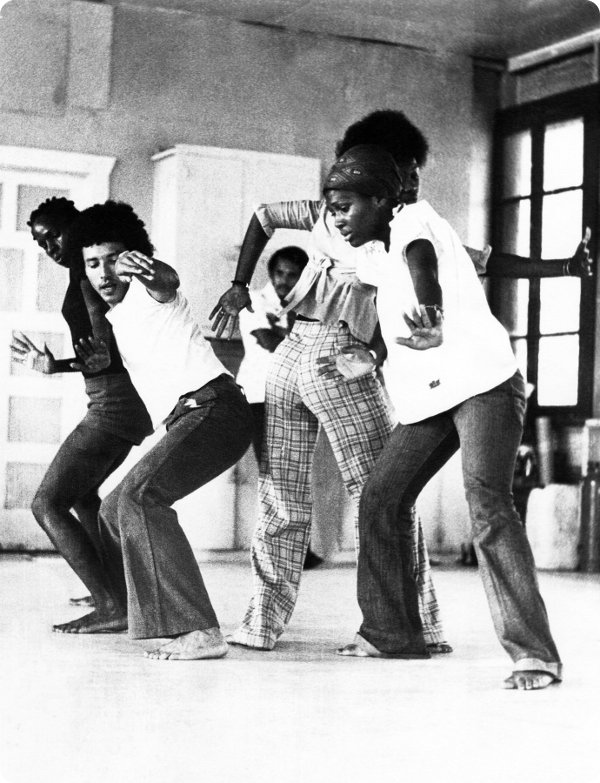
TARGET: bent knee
(378,494)
(484,499)
(44,504)
(491,509)
(135,494)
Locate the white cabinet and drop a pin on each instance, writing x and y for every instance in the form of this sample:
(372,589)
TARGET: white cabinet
(203,200)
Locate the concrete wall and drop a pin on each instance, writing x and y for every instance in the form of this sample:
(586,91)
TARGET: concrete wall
(129,82)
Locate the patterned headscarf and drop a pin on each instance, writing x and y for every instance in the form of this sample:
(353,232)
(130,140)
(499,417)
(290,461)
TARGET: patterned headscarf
(365,169)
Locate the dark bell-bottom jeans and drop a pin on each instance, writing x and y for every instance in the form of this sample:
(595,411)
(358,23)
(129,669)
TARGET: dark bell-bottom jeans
(488,429)
(146,553)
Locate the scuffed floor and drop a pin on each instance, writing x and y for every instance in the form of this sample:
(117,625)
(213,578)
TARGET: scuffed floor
(91,709)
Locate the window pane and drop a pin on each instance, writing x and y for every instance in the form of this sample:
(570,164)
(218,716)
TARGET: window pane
(558,370)
(517,165)
(22,481)
(563,154)
(11,278)
(561,224)
(512,297)
(54,341)
(34,420)
(559,304)
(561,229)
(29,197)
(520,351)
(52,285)
(515,228)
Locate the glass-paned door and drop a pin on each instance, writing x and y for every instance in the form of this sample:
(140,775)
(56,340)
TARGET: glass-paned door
(560,298)
(547,186)
(36,411)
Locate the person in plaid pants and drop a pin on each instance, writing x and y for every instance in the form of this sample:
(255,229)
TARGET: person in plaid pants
(357,420)
(335,312)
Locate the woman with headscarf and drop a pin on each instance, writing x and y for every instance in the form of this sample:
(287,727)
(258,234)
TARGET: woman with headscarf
(454,382)
(335,312)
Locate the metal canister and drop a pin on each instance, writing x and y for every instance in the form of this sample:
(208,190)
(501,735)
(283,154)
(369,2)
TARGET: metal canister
(589,535)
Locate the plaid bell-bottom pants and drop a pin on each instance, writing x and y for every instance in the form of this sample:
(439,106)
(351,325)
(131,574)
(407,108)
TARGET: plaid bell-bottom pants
(358,422)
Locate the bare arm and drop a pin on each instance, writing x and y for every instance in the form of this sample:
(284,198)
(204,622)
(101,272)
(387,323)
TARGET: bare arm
(234,300)
(426,326)
(378,346)
(508,265)
(254,242)
(423,267)
(291,214)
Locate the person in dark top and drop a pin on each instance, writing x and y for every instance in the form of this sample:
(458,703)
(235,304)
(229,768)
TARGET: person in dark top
(116,418)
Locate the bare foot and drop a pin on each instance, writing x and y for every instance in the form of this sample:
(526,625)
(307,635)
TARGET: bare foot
(95,622)
(361,648)
(192,646)
(85,600)
(439,648)
(529,680)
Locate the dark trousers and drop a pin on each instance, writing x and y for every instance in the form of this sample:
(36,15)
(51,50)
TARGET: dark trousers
(488,429)
(84,461)
(258,434)
(145,550)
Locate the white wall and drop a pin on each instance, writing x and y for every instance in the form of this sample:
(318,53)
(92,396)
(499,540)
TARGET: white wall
(130,82)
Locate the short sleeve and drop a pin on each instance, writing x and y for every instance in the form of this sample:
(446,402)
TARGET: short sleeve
(415,221)
(288,214)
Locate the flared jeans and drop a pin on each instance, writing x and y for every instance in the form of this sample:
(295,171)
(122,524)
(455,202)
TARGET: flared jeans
(488,429)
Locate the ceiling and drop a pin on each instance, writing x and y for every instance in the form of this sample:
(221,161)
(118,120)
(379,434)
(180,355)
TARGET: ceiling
(494,29)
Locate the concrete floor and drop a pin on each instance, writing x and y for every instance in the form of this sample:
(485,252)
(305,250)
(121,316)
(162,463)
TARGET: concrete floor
(90,709)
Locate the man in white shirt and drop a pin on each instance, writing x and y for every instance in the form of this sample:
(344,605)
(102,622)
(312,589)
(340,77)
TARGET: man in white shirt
(152,582)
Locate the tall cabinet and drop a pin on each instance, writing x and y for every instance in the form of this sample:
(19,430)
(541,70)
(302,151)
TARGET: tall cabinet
(204,198)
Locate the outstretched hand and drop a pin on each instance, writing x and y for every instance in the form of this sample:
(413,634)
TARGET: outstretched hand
(226,312)
(132,263)
(353,361)
(425,332)
(93,354)
(23,351)
(581,263)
